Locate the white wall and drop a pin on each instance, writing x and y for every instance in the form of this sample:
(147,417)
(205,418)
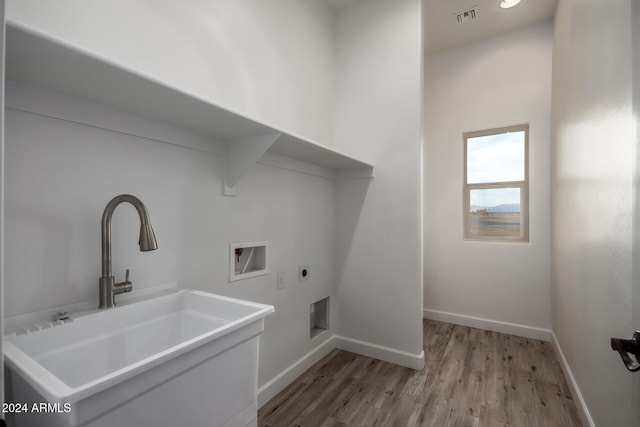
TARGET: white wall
(635,44)
(377,116)
(268,60)
(273,61)
(594,156)
(2,11)
(61,174)
(500,82)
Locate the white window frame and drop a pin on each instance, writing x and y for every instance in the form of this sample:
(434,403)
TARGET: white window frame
(522,185)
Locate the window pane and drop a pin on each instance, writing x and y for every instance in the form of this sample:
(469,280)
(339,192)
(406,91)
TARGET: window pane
(495,212)
(496,158)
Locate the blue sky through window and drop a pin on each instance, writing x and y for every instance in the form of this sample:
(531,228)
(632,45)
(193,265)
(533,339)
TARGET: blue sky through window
(495,158)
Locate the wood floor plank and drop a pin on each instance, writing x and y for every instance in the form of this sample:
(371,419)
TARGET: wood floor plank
(324,406)
(493,417)
(282,399)
(419,384)
(434,413)
(332,422)
(550,408)
(521,402)
(542,366)
(572,412)
(471,391)
(462,420)
(472,378)
(377,396)
(405,410)
(550,354)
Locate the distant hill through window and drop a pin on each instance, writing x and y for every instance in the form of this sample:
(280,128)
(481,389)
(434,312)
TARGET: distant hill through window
(506,207)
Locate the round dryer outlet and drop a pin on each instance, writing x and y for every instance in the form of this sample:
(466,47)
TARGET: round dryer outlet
(303,273)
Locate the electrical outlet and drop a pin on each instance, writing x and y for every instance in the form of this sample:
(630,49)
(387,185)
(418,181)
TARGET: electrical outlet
(282,276)
(303,273)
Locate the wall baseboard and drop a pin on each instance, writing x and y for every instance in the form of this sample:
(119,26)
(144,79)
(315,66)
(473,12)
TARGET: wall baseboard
(581,405)
(527,332)
(490,325)
(416,361)
(286,377)
(402,358)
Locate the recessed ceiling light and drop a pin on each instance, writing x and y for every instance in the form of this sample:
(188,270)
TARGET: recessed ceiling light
(506,4)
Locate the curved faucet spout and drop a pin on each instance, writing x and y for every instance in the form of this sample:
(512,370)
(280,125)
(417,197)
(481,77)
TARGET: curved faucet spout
(147,242)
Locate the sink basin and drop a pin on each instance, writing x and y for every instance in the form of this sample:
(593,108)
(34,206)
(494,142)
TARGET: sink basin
(140,345)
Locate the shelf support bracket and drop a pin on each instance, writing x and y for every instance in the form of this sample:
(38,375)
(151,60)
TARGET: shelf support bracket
(242,154)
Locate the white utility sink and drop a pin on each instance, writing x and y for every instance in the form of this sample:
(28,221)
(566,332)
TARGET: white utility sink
(103,361)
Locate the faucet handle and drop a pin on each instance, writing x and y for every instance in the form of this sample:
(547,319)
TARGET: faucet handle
(122,287)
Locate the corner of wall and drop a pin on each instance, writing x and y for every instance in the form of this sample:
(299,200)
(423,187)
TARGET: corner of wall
(581,405)
(278,383)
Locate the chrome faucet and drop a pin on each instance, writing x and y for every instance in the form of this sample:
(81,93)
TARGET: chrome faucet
(147,241)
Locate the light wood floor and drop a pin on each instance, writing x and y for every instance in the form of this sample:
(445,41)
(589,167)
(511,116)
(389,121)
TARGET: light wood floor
(472,378)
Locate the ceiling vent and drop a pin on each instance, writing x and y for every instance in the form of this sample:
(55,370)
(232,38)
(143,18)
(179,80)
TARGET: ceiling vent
(467,15)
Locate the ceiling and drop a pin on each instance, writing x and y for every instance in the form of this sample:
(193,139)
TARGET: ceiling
(443,32)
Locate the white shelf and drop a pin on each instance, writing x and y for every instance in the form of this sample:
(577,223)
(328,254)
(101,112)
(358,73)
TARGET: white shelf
(37,59)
